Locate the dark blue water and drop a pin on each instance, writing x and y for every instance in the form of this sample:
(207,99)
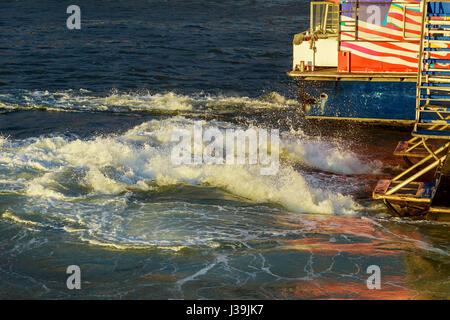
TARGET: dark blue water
(232,48)
(187,46)
(86,176)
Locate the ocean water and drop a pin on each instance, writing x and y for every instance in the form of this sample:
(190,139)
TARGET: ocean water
(86,177)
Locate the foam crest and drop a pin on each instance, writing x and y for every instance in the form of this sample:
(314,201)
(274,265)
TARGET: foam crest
(272,100)
(328,156)
(142,158)
(85,101)
(3,141)
(169,101)
(107,190)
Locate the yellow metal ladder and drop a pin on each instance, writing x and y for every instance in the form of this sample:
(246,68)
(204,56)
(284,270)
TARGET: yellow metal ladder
(431,135)
(433,85)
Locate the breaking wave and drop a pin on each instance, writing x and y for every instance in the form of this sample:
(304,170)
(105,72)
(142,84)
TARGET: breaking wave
(85,101)
(329,156)
(3,140)
(89,187)
(140,158)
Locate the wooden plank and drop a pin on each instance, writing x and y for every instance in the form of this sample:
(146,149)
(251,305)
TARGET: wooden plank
(382,186)
(331,74)
(401,148)
(373,121)
(410,193)
(417,152)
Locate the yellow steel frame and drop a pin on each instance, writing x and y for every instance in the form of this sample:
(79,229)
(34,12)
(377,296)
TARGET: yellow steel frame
(422,144)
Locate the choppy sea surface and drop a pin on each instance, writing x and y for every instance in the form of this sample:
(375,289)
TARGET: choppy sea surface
(86,177)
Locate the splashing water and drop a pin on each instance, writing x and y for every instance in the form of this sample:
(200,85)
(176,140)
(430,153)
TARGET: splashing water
(329,156)
(77,179)
(86,176)
(84,101)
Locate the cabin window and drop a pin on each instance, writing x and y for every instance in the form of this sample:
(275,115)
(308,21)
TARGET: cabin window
(324,17)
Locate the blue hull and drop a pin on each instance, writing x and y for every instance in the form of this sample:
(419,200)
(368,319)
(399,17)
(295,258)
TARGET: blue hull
(383,100)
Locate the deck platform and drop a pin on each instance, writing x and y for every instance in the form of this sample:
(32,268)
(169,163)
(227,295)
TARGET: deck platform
(436,134)
(412,192)
(407,124)
(332,74)
(413,150)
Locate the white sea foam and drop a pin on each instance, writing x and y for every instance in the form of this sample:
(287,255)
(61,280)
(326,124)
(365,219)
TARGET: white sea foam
(84,100)
(83,186)
(3,141)
(319,154)
(169,101)
(272,100)
(140,158)
(328,156)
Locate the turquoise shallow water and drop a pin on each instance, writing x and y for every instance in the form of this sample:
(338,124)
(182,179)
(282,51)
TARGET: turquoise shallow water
(86,176)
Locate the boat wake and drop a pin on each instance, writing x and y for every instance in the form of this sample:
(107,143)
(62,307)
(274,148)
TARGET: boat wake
(124,190)
(124,102)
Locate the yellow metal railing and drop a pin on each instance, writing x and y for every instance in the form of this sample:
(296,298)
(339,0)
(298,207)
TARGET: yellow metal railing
(324,17)
(371,11)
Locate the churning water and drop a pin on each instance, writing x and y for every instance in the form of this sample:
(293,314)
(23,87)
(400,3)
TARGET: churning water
(86,177)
